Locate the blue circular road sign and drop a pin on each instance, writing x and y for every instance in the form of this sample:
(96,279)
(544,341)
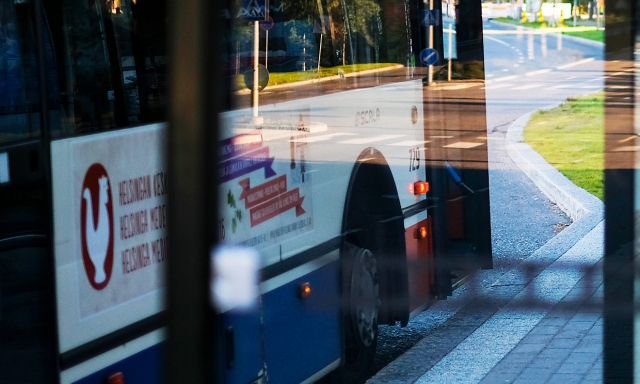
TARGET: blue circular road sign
(429,56)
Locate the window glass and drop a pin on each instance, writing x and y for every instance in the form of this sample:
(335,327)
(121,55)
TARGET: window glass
(18,74)
(111,60)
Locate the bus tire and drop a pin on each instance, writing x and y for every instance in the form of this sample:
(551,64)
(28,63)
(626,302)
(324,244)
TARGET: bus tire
(361,292)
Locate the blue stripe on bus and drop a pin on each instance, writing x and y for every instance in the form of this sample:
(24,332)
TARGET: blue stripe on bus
(246,346)
(302,336)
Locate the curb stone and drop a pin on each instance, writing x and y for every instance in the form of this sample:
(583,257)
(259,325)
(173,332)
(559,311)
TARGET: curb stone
(574,201)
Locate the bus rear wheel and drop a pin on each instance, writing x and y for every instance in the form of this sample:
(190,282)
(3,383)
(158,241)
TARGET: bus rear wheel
(361,292)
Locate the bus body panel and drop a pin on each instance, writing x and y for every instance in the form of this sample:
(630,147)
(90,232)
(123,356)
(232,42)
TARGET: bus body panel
(303,335)
(260,163)
(339,135)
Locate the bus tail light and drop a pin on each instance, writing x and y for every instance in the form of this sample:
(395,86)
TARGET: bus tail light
(419,187)
(116,378)
(304,290)
(420,233)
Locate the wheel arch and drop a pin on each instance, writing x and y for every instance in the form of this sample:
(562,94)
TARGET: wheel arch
(372,194)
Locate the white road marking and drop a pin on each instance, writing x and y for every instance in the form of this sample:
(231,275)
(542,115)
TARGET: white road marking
(530,86)
(454,86)
(540,72)
(630,148)
(367,140)
(463,145)
(496,40)
(409,143)
(506,78)
(562,86)
(313,139)
(627,139)
(576,63)
(498,86)
(591,86)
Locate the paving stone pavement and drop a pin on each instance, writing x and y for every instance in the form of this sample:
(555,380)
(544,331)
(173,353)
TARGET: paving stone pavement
(539,323)
(566,345)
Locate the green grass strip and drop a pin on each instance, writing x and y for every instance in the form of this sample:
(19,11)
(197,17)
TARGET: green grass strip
(277,78)
(591,35)
(597,35)
(571,139)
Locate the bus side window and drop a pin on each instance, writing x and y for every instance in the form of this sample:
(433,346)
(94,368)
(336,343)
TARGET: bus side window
(111,62)
(18,75)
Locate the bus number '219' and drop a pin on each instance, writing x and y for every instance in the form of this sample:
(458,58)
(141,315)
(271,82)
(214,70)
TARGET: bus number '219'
(414,159)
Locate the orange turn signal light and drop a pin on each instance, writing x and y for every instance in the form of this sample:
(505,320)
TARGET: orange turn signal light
(419,187)
(304,290)
(116,378)
(420,233)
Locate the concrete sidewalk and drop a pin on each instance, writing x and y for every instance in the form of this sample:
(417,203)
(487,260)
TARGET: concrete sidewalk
(538,322)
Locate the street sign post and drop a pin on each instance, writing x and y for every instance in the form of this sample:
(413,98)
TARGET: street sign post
(429,56)
(266,26)
(255,11)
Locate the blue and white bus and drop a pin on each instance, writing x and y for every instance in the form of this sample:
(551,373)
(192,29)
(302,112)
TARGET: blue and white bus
(356,190)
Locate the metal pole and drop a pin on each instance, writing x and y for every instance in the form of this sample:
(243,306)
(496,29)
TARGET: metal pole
(256,31)
(621,341)
(193,342)
(319,54)
(575,11)
(431,44)
(346,23)
(450,53)
(266,49)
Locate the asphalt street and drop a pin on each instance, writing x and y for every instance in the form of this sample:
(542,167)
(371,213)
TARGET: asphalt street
(524,72)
